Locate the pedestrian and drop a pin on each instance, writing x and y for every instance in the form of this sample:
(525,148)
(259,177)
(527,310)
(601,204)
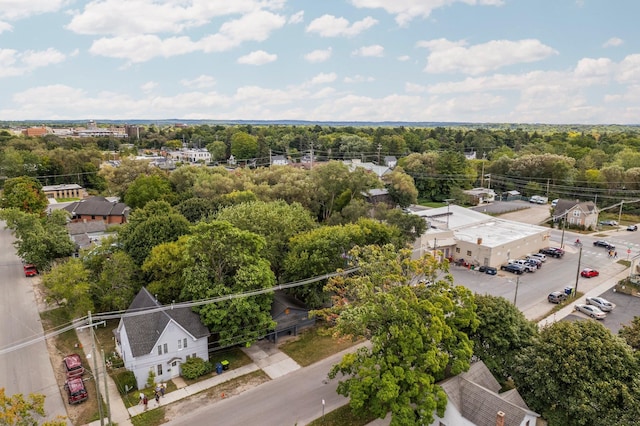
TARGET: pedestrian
(141,397)
(145,401)
(162,389)
(157,395)
(610,253)
(615,254)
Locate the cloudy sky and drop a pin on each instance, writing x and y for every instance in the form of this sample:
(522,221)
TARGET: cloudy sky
(533,61)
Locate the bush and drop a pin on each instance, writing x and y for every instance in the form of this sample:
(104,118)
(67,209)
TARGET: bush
(194,368)
(125,380)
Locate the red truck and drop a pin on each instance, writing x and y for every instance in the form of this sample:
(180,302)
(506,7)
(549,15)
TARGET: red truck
(30,270)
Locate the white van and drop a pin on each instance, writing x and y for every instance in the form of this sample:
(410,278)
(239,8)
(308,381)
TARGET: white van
(554,202)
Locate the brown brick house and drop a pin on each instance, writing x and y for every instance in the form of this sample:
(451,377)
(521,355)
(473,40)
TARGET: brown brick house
(98,208)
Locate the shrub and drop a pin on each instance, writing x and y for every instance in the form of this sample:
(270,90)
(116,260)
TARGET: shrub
(194,368)
(125,381)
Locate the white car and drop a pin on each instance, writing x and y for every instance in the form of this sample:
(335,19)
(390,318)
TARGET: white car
(591,311)
(601,303)
(539,256)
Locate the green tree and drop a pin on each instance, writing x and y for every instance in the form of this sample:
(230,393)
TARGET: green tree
(276,221)
(39,240)
(155,224)
(119,178)
(68,284)
(164,267)
(631,333)
(577,371)
(24,193)
(118,283)
(224,260)
(402,188)
(243,146)
(218,150)
(416,334)
(16,410)
(148,188)
(503,332)
(196,209)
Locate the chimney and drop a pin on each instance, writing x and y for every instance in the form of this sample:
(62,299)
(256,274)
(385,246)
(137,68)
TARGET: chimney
(500,419)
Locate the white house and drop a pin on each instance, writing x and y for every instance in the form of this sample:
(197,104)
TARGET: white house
(279,160)
(159,341)
(473,400)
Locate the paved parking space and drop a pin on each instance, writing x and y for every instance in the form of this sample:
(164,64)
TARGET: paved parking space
(627,307)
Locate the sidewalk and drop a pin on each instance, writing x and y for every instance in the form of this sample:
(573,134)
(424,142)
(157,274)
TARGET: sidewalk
(265,356)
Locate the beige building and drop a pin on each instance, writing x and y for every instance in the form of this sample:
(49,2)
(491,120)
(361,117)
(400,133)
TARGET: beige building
(72,190)
(476,238)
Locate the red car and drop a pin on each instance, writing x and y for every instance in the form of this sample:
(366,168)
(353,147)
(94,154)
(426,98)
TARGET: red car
(589,273)
(76,392)
(73,366)
(29,270)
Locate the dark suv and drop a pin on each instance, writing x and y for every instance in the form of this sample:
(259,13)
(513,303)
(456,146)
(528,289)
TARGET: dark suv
(76,392)
(605,244)
(552,251)
(513,268)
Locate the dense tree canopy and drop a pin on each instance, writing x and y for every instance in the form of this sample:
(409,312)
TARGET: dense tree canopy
(416,334)
(68,285)
(576,373)
(18,410)
(24,193)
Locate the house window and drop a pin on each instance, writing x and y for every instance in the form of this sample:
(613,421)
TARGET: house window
(576,213)
(166,348)
(468,252)
(193,355)
(457,249)
(179,344)
(159,349)
(104,217)
(159,369)
(184,343)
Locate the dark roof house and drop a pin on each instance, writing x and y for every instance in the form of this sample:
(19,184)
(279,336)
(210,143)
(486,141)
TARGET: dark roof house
(577,213)
(98,208)
(290,315)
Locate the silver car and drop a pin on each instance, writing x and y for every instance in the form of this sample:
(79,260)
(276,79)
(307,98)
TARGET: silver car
(591,311)
(601,303)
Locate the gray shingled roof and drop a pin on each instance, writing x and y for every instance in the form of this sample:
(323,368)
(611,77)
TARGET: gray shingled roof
(563,205)
(144,330)
(475,395)
(97,206)
(90,227)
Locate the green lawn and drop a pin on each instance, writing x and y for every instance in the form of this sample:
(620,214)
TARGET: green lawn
(341,417)
(315,344)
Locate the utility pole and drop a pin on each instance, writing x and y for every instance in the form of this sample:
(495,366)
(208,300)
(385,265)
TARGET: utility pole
(106,388)
(548,187)
(515,297)
(575,290)
(620,214)
(564,226)
(448,201)
(379,148)
(96,372)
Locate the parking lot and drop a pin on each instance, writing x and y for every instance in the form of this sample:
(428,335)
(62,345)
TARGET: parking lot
(627,307)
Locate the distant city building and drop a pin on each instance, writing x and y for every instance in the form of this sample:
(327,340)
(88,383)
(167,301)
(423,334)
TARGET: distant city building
(35,131)
(64,191)
(189,155)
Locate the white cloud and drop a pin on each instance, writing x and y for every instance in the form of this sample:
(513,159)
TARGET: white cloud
(255,26)
(19,9)
(404,58)
(406,10)
(613,42)
(448,56)
(324,78)
(331,26)
(200,82)
(297,17)
(257,57)
(629,69)
(318,56)
(374,50)
(359,79)
(129,17)
(5,26)
(148,86)
(14,63)
(594,68)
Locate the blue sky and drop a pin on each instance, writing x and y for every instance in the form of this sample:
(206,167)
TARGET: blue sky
(526,61)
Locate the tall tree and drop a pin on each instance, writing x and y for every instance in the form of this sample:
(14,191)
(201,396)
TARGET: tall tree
(24,193)
(401,187)
(18,410)
(149,188)
(68,284)
(224,260)
(164,267)
(416,334)
(503,332)
(244,146)
(577,372)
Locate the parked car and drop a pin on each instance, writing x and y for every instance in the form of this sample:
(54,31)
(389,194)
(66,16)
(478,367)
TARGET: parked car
(525,264)
(513,268)
(29,270)
(552,251)
(608,222)
(73,366)
(601,303)
(76,392)
(534,261)
(591,311)
(589,273)
(490,270)
(556,297)
(632,228)
(539,256)
(605,244)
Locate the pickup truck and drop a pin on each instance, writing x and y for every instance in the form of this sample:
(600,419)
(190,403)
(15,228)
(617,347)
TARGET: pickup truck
(526,265)
(29,270)
(513,268)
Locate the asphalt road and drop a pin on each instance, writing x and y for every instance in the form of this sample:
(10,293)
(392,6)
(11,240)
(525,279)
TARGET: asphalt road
(294,399)
(25,370)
